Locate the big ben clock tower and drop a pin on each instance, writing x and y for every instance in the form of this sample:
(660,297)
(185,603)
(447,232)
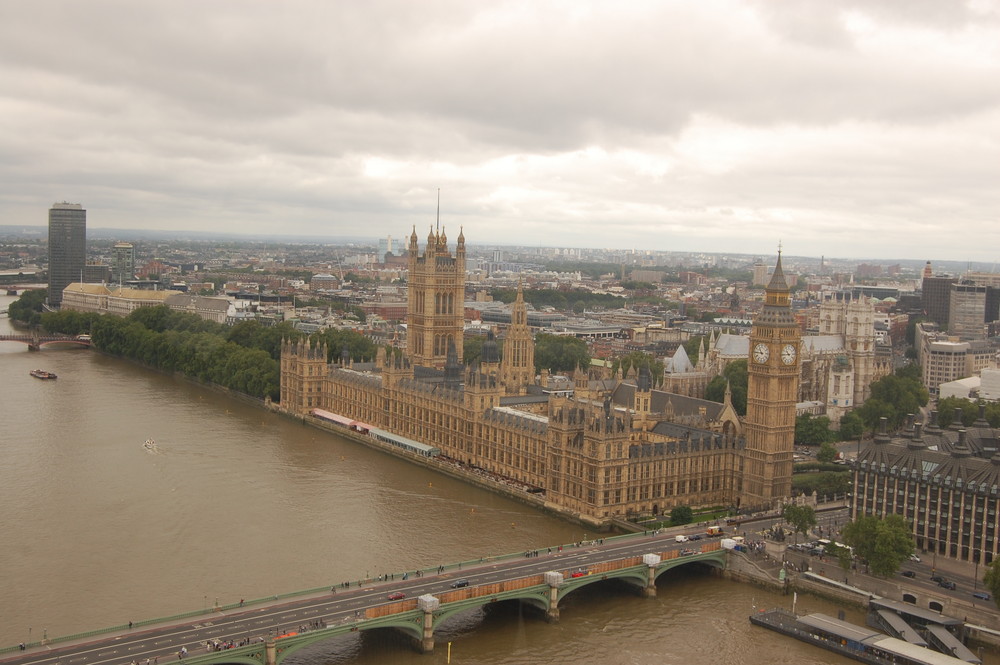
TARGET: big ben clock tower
(772,391)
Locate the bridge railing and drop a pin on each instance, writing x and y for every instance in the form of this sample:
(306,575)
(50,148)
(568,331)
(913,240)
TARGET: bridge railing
(432,570)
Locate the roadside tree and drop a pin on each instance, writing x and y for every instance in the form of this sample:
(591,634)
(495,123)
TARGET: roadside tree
(802,518)
(812,430)
(884,544)
(851,426)
(827,453)
(992,580)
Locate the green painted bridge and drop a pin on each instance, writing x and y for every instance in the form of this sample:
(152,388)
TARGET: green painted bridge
(267,631)
(419,617)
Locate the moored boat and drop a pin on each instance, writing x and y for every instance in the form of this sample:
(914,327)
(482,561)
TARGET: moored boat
(42,374)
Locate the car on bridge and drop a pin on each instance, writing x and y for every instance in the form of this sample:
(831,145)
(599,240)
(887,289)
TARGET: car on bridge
(908,573)
(457,584)
(579,573)
(397,595)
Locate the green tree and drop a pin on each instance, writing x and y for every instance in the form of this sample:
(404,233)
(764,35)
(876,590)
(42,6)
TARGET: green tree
(736,374)
(560,353)
(851,426)
(991,580)
(681,515)
(911,371)
(949,407)
(472,349)
(638,359)
(359,347)
(822,483)
(827,453)
(802,518)
(812,430)
(884,544)
(894,397)
(693,347)
(860,534)
(27,309)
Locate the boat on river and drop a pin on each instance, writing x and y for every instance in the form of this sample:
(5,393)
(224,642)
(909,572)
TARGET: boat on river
(42,374)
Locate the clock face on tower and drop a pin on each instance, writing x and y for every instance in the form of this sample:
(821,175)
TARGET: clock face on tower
(761,353)
(788,354)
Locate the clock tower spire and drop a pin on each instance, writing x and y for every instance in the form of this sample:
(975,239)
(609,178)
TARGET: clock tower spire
(772,392)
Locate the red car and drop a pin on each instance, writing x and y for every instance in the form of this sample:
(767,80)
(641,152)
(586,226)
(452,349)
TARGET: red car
(578,573)
(397,595)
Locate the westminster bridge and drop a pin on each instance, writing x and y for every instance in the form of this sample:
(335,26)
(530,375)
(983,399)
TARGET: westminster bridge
(268,630)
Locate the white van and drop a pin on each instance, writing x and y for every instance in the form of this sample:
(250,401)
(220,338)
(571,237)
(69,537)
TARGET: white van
(681,538)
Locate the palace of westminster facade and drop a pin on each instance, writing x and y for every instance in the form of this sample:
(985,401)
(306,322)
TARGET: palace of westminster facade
(605,452)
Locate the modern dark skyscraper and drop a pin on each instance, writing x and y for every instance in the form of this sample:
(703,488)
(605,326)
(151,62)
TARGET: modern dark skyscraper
(67,247)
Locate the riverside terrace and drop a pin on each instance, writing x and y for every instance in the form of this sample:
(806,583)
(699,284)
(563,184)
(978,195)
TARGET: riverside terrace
(264,632)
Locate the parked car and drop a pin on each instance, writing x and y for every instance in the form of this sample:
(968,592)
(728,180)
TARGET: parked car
(950,586)
(981,595)
(397,595)
(914,557)
(459,583)
(908,573)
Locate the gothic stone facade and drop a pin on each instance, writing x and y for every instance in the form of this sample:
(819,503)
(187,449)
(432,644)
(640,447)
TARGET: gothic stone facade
(599,454)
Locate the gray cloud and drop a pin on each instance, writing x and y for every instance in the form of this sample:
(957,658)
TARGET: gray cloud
(720,125)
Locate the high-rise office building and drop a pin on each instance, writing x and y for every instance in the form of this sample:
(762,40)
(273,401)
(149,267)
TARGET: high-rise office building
(122,262)
(67,248)
(936,298)
(967,311)
(384,247)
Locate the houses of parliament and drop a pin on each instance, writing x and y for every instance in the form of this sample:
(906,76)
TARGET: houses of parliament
(607,451)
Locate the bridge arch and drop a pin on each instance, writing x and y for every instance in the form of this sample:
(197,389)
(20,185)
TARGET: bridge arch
(672,564)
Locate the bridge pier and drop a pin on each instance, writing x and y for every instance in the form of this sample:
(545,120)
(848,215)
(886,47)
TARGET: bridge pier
(429,604)
(652,561)
(270,653)
(553,580)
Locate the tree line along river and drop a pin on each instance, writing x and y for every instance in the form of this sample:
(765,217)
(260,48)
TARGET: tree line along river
(234,502)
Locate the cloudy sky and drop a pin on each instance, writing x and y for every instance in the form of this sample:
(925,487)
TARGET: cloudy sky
(862,128)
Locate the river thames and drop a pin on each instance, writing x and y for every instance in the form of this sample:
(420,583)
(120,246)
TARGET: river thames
(233,502)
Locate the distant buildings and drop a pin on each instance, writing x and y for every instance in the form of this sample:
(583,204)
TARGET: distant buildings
(67,248)
(945,358)
(122,302)
(837,366)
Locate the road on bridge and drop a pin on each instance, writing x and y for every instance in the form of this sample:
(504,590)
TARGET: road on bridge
(264,621)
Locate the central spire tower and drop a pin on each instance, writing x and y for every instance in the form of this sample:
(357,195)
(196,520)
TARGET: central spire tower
(435,299)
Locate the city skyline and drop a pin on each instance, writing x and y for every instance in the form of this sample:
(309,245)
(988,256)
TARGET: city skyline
(849,129)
